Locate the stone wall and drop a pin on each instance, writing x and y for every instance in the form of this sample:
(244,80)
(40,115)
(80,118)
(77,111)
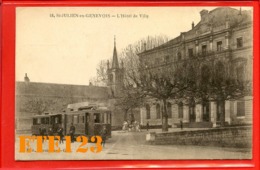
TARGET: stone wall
(224,137)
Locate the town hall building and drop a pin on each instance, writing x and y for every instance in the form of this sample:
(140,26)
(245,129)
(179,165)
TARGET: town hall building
(221,42)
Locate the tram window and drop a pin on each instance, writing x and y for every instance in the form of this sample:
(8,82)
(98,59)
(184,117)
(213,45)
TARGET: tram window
(34,121)
(83,119)
(38,121)
(97,118)
(103,118)
(75,119)
(56,120)
(47,120)
(87,118)
(52,120)
(70,118)
(42,120)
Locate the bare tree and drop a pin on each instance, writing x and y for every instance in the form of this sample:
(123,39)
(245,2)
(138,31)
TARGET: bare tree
(38,105)
(129,54)
(162,84)
(132,95)
(129,100)
(101,77)
(220,83)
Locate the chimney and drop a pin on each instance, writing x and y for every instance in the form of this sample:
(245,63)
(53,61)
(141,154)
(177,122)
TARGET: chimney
(240,11)
(26,78)
(192,25)
(203,14)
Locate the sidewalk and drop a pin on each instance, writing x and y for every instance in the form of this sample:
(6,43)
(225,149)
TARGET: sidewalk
(160,130)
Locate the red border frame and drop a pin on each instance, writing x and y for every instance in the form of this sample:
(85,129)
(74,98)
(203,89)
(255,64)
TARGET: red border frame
(7,93)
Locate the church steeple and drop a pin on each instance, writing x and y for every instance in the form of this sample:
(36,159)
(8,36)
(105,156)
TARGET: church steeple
(115,63)
(115,74)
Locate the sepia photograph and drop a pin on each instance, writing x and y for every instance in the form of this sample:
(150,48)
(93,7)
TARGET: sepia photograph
(134,83)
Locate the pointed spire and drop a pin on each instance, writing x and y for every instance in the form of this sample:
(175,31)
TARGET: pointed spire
(115,59)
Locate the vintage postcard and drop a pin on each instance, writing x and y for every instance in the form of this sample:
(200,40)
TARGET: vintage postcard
(134,83)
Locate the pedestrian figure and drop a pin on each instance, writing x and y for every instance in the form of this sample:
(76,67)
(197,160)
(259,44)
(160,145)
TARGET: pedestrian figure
(50,131)
(124,126)
(129,127)
(147,126)
(72,132)
(181,124)
(42,131)
(138,127)
(103,134)
(60,133)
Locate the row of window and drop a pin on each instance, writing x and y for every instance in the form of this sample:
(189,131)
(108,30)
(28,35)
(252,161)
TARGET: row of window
(47,120)
(158,111)
(75,119)
(204,50)
(98,118)
(192,117)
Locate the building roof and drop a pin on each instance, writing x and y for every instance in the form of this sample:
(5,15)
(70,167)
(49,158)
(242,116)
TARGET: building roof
(215,20)
(61,90)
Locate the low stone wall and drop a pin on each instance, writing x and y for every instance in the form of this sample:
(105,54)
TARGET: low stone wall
(154,126)
(224,137)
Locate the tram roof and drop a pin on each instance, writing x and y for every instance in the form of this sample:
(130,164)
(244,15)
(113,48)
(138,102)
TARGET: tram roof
(48,115)
(89,109)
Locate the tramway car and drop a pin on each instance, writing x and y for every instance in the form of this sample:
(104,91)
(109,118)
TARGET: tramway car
(88,121)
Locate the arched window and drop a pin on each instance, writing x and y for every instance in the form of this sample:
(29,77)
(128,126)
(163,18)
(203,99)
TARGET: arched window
(169,110)
(180,110)
(205,110)
(240,73)
(220,110)
(158,112)
(148,115)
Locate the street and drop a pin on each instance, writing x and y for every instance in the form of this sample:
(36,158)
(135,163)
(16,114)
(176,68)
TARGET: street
(132,145)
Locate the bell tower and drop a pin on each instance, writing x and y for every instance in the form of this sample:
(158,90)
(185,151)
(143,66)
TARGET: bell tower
(115,74)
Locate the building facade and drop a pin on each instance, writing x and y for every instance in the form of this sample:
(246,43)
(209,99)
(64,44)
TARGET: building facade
(221,43)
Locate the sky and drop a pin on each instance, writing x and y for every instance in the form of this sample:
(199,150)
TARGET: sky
(65,44)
